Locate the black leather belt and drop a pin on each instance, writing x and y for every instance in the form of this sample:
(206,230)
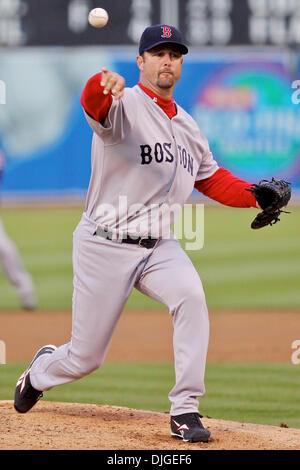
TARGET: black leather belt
(141,241)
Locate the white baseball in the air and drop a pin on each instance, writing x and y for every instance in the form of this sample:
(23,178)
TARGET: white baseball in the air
(98,17)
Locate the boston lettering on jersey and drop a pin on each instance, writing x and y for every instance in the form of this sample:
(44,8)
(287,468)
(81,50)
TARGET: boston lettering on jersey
(162,152)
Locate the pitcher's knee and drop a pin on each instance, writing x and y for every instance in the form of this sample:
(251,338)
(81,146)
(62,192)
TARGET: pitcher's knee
(84,365)
(190,298)
(197,297)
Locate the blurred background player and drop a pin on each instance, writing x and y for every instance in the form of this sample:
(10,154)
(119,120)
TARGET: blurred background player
(12,264)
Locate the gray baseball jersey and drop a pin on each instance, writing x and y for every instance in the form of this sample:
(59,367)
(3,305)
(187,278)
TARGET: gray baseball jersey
(151,161)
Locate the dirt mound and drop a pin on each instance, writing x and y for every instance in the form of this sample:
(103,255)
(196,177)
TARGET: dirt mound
(235,336)
(69,426)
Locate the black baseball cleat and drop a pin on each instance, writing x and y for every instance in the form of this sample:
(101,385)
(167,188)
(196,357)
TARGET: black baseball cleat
(189,428)
(25,395)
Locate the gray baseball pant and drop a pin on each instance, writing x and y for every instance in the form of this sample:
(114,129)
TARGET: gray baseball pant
(105,273)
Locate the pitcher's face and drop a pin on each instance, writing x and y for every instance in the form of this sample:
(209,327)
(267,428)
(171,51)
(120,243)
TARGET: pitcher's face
(160,67)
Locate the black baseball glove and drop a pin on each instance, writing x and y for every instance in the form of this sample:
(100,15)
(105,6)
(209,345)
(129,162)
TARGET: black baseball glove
(271,197)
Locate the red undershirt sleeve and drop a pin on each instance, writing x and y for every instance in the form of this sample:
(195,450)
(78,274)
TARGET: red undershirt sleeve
(93,101)
(227,189)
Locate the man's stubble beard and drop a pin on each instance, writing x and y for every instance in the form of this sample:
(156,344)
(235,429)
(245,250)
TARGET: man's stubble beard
(165,85)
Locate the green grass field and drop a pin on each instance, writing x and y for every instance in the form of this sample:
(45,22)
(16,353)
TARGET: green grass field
(239,267)
(255,393)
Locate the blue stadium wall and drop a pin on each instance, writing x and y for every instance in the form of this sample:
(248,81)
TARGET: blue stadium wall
(243,101)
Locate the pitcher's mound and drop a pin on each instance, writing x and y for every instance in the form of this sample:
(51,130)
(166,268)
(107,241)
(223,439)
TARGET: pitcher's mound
(67,426)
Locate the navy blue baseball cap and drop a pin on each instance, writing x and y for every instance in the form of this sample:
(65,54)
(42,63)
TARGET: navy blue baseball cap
(161,34)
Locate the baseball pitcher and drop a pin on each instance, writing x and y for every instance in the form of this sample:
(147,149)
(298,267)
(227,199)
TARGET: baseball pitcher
(148,155)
